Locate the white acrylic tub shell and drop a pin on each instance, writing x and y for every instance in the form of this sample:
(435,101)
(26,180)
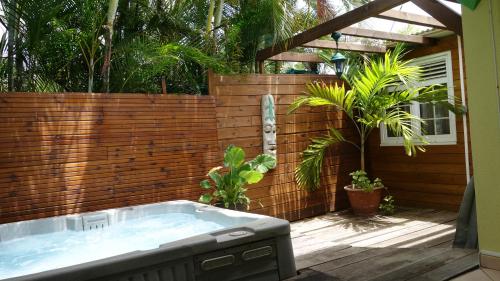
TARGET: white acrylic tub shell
(254,247)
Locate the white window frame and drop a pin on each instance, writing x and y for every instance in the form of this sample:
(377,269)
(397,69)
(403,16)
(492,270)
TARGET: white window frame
(448,139)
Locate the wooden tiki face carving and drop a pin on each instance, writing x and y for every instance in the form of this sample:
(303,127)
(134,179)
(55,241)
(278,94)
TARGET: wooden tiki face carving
(268,125)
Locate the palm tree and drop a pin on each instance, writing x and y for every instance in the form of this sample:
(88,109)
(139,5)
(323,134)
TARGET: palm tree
(379,91)
(106,67)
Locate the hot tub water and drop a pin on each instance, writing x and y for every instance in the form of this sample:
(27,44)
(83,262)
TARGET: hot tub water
(36,253)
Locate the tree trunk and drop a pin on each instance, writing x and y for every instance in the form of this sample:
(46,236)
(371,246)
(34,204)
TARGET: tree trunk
(210,17)
(362,152)
(163,85)
(106,67)
(218,13)
(19,68)
(11,37)
(217,20)
(91,75)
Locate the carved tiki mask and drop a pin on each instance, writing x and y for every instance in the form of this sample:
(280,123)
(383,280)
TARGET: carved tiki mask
(268,125)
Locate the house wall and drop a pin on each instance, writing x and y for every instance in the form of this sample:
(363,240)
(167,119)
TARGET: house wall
(239,122)
(69,153)
(482,53)
(435,178)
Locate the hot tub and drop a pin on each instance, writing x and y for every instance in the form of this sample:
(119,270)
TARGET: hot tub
(170,241)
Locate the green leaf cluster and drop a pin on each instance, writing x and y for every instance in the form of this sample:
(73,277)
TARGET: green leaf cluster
(226,184)
(360,180)
(388,206)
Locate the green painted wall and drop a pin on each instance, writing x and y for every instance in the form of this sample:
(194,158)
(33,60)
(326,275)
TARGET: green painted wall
(482,61)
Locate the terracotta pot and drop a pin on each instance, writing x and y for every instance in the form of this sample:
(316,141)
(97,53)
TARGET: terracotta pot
(362,202)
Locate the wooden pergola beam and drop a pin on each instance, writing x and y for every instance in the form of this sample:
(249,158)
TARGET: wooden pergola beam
(296,57)
(347,46)
(375,34)
(442,13)
(361,13)
(411,19)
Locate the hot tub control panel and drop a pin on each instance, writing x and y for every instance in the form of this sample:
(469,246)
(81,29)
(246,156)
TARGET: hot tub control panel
(253,259)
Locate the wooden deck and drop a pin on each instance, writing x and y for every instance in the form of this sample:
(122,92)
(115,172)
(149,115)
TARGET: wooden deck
(414,244)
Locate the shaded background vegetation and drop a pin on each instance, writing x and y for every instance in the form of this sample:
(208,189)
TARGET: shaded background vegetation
(59,45)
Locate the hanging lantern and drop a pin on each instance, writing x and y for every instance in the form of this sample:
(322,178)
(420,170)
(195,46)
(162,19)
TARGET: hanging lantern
(338,59)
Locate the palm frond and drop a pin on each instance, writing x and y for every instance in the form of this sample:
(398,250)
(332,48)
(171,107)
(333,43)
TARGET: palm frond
(402,123)
(320,94)
(438,94)
(308,172)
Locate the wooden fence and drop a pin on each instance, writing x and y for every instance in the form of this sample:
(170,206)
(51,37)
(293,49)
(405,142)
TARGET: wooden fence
(239,122)
(67,153)
(76,152)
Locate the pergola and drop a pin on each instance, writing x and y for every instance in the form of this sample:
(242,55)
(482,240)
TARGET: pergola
(441,17)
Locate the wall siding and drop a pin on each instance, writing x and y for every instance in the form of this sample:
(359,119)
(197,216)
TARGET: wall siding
(69,153)
(435,178)
(238,115)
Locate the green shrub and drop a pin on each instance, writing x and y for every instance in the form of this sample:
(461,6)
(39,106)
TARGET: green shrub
(228,188)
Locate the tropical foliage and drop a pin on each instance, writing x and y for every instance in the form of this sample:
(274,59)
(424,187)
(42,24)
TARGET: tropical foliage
(379,90)
(228,189)
(134,45)
(142,45)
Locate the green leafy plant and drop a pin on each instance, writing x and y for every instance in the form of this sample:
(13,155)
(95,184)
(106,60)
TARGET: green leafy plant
(360,180)
(228,189)
(387,206)
(379,90)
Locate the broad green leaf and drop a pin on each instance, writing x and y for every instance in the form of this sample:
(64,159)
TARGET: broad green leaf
(246,167)
(237,179)
(205,198)
(216,177)
(234,156)
(251,176)
(263,163)
(205,184)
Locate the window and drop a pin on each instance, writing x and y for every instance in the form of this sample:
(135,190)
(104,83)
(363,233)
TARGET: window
(439,127)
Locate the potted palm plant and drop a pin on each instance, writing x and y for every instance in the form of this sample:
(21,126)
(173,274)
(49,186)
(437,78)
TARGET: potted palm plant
(379,90)
(226,187)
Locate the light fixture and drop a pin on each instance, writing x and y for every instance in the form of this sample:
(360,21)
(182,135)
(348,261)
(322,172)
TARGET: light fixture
(338,59)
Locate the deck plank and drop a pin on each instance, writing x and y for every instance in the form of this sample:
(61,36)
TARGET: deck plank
(422,266)
(413,244)
(393,259)
(450,270)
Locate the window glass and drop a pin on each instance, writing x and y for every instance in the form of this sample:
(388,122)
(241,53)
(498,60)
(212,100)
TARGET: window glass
(438,125)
